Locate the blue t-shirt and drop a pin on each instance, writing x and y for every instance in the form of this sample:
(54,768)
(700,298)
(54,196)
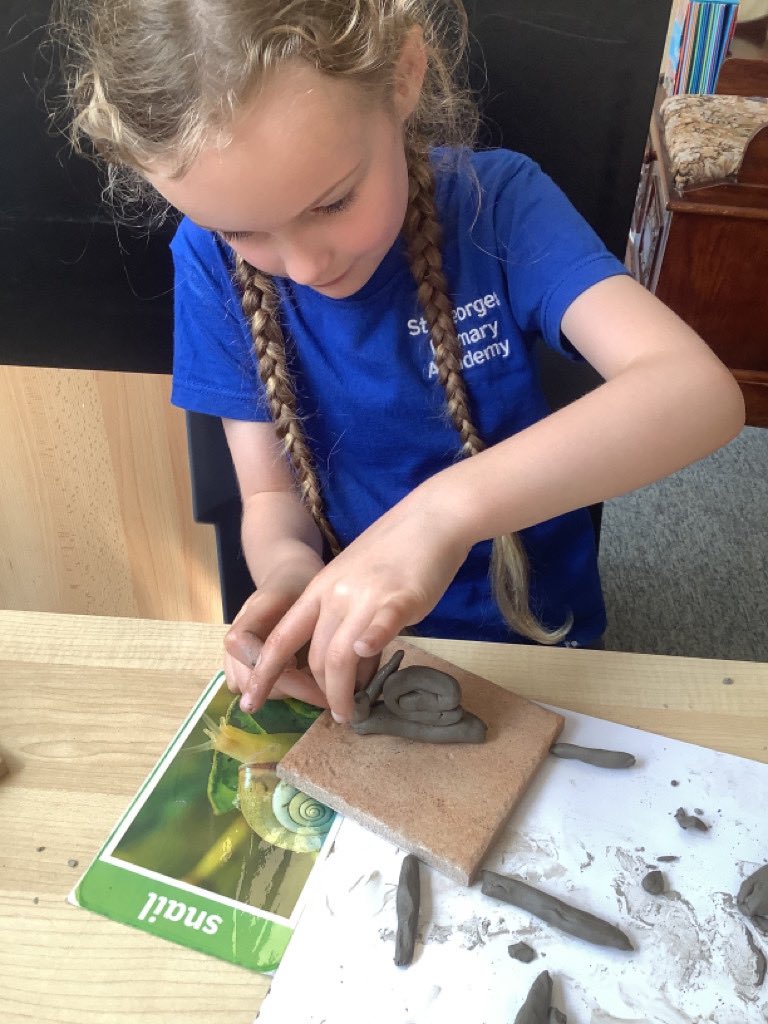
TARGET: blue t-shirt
(516,254)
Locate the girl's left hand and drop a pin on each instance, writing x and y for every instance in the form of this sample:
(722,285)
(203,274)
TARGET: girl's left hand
(390,577)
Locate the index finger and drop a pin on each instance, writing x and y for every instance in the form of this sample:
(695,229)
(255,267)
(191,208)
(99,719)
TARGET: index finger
(254,620)
(277,653)
(246,647)
(243,646)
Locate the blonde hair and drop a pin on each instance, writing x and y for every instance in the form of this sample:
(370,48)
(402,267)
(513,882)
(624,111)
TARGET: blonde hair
(155,80)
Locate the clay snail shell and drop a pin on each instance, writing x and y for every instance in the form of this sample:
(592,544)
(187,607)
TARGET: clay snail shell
(419,702)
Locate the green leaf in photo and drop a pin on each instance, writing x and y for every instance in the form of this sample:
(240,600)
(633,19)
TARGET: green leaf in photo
(285,720)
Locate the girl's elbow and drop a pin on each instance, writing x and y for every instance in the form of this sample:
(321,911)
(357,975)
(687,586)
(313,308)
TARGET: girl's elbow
(726,402)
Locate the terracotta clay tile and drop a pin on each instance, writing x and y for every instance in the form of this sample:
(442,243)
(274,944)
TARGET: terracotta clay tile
(445,803)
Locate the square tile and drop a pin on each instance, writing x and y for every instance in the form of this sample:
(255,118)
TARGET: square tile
(445,803)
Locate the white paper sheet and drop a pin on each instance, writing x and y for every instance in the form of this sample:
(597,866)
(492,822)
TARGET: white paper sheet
(588,836)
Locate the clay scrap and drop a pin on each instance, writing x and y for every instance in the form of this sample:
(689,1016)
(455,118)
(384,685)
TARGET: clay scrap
(537,1008)
(688,821)
(419,703)
(593,755)
(654,883)
(407,906)
(752,898)
(522,951)
(578,923)
(760,962)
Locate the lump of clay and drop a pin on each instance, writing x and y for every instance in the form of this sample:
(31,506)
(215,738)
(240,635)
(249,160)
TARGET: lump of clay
(593,755)
(535,1009)
(569,919)
(752,898)
(687,821)
(419,703)
(653,883)
(522,951)
(407,905)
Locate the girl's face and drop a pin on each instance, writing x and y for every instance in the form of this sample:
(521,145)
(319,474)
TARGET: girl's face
(313,185)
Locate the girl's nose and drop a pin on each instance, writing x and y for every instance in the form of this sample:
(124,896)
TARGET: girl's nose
(307,266)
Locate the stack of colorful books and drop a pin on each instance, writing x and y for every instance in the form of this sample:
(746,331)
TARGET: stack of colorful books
(699,39)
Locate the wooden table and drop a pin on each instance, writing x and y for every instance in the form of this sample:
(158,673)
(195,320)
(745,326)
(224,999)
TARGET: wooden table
(88,704)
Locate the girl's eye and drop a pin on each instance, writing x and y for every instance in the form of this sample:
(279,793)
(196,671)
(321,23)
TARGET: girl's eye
(338,207)
(234,236)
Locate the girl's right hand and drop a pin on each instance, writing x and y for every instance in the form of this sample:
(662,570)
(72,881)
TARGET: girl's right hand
(245,639)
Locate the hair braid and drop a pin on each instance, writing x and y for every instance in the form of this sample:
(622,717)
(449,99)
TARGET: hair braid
(424,236)
(510,570)
(260,303)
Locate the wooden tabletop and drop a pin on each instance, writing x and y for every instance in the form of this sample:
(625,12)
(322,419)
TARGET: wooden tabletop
(88,704)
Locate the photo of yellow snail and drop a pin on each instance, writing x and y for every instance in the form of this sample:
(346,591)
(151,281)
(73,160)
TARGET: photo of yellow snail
(215,851)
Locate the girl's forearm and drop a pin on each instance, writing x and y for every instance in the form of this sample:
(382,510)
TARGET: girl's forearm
(280,539)
(650,420)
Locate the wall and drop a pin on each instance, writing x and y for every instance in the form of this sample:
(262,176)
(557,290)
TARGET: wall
(95,515)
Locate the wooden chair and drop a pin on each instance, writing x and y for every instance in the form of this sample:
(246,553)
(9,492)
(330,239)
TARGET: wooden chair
(740,77)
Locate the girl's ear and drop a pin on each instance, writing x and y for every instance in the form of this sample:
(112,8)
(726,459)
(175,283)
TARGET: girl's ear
(409,73)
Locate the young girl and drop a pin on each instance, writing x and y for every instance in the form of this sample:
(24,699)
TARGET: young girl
(357,295)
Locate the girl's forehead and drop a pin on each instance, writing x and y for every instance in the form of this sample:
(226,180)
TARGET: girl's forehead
(296,139)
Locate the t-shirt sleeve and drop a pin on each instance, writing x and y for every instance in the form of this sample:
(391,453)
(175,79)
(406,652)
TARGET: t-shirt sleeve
(552,255)
(214,369)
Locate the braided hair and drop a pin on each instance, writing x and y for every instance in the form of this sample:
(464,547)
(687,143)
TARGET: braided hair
(260,302)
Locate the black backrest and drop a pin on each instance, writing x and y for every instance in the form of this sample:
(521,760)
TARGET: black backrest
(572,85)
(75,290)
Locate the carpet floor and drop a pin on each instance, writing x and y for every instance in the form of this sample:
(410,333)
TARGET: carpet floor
(684,562)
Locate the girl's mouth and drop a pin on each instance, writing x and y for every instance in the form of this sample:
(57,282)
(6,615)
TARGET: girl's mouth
(334,282)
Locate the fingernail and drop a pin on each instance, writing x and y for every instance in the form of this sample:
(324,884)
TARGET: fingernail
(337,718)
(246,705)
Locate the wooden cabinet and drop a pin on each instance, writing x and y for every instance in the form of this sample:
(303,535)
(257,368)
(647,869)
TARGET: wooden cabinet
(704,250)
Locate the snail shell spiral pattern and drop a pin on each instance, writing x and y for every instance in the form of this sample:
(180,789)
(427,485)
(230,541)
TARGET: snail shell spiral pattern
(300,813)
(281,814)
(418,702)
(421,695)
